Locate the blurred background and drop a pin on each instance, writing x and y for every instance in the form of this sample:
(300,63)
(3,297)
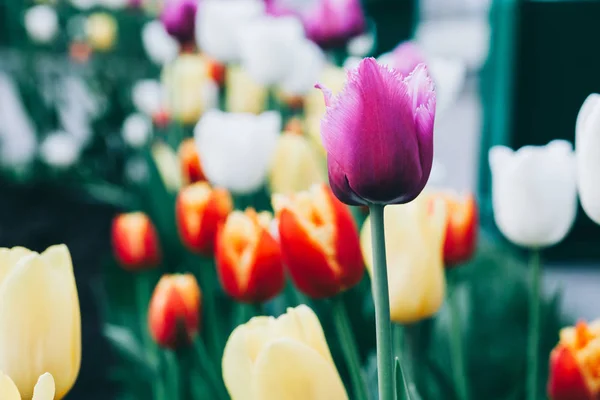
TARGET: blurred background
(72,73)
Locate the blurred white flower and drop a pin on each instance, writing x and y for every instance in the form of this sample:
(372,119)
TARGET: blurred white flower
(267,47)
(352,62)
(158,44)
(18,140)
(587,153)
(77,106)
(219,23)
(60,150)
(308,62)
(361,46)
(41,23)
(84,4)
(148,96)
(114,4)
(449,78)
(534,193)
(136,130)
(236,149)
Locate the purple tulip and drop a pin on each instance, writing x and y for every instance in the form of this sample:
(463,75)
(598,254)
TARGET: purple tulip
(329,23)
(405,57)
(378,134)
(178,17)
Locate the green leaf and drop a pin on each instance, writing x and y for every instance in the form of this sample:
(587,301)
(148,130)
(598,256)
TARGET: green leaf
(401,387)
(130,349)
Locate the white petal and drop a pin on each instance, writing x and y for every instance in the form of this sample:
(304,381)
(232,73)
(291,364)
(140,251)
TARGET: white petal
(148,96)
(449,78)
(352,63)
(136,130)
(44,389)
(361,46)
(587,142)
(158,44)
(219,23)
(308,62)
(60,150)
(41,23)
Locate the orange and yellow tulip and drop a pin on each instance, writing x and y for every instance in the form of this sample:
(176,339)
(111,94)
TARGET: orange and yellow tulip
(200,211)
(135,241)
(174,312)
(575,364)
(191,168)
(249,258)
(319,242)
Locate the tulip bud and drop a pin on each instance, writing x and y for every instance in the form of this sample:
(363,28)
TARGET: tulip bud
(174,312)
(135,241)
(179,17)
(191,169)
(319,242)
(370,126)
(288,352)
(414,242)
(101,29)
(200,211)
(461,227)
(587,154)
(574,364)
(530,209)
(248,257)
(41,323)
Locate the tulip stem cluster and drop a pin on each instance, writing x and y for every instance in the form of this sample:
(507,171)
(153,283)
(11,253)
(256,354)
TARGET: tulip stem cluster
(534,325)
(209,370)
(385,372)
(456,347)
(349,347)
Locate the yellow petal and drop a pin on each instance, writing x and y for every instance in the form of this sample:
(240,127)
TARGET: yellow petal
(289,370)
(243,94)
(8,390)
(296,165)
(44,388)
(40,306)
(9,258)
(167,163)
(414,236)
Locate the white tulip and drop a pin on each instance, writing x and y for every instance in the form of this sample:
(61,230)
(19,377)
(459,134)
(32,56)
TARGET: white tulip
(60,150)
(352,62)
(587,154)
(534,192)
(449,78)
(158,44)
(236,149)
(219,23)
(268,46)
(148,96)
(136,130)
(361,46)
(308,62)
(41,23)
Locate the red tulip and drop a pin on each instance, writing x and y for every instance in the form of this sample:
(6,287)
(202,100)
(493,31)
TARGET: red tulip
(248,257)
(174,312)
(191,168)
(319,242)
(135,241)
(575,364)
(200,211)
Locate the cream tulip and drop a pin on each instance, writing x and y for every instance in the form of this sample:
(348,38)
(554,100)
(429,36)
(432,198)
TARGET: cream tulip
(534,192)
(296,165)
(244,94)
(414,237)
(236,149)
(44,389)
(41,324)
(281,359)
(587,155)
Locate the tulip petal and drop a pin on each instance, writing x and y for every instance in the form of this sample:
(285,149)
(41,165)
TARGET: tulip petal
(9,258)
(44,388)
(8,389)
(40,305)
(414,248)
(587,145)
(288,370)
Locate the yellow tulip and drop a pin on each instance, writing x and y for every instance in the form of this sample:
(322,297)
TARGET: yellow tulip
(333,78)
(101,31)
(44,388)
(167,164)
(244,95)
(414,240)
(41,324)
(281,359)
(296,165)
(190,90)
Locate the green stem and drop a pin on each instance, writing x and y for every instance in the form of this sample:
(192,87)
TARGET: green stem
(184,367)
(381,298)
(209,370)
(143,290)
(534,325)
(456,347)
(173,374)
(349,348)
(212,321)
